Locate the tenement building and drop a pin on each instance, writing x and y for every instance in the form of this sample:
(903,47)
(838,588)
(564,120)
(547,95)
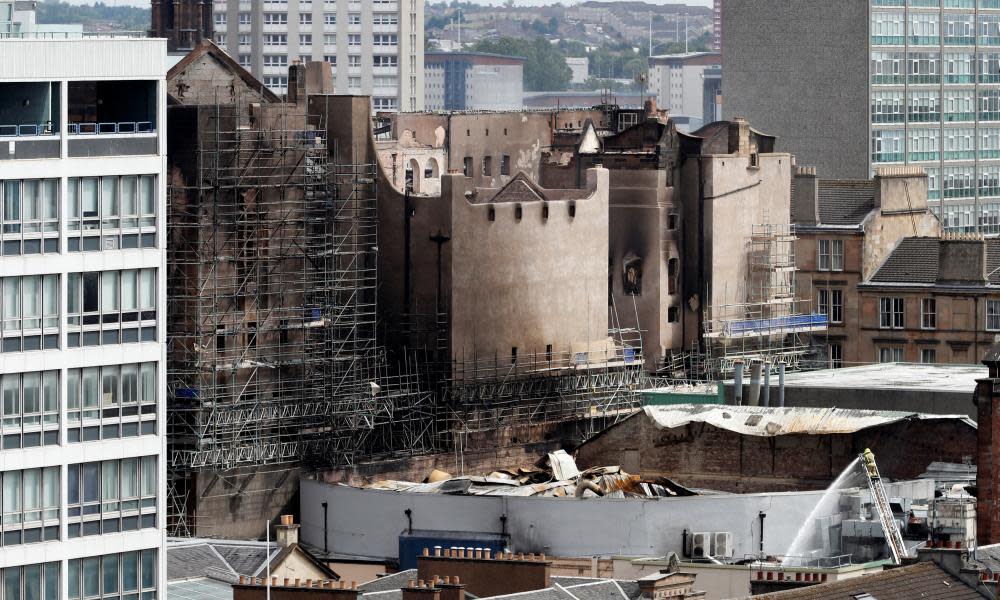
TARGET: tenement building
(374,47)
(920,85)
(82,352)
(845,230)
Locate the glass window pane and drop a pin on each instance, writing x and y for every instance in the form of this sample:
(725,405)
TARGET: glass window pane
(130,478)
(91,576)
(73,578)
(130,300)
(109,197)
(90,291)
(73,389)
(130,571)
(147,195)
(148,569)
(32,489)
(89,197)
(31,298)
(90,387)
(130,383)
(148,383)
(110,574)
(12,201)
(110,480)
(147,289)
(12,583)
(73,293)
(109,291)
(73,201)
(11,395)
(52,581)
(29,201)
(109,386)
(32,396)
(92,482)
(129,200)
(50,199)
(148,476)
(50,296)
(73,484)
(50,391)
(50,487)
(11,300)
(33,582)
(11,497)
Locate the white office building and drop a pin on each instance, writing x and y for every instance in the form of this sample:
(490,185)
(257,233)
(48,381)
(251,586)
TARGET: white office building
(82,317)
(374,47)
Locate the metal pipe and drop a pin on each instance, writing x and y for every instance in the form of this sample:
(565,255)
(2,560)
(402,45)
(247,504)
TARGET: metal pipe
(767,384)
(326,535)
(762,515)
(781,385)
(738,383)
(754,399)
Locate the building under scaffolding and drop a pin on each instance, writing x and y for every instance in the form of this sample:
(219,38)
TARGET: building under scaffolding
(273,359)
(772,323)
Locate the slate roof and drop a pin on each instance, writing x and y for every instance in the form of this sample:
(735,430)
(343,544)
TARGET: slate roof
(917,260)
(598,590)
(218,559)
(199,589)
(925,580)
(845,201)
(629,586)
(395,581)
(186,562)
(551,593)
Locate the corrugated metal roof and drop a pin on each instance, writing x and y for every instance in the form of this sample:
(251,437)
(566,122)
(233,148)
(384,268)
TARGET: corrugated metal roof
(769,421)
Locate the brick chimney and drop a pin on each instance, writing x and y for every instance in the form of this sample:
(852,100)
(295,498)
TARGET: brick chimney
(484,575)
(962,259)
(286,533)
(987,400)
(900,190)
(255,588)
(421,590)
(806,196)
(452,588)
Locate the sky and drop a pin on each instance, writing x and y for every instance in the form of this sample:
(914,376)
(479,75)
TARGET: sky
(518,2)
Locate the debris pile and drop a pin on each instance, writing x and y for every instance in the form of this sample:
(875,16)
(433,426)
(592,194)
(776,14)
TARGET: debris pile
(559,477)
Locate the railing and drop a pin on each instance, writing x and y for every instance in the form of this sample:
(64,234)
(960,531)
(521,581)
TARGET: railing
(767,326)
(110,128)
(25,130)
(70,35)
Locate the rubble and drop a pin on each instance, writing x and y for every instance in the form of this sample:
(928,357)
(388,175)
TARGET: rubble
(559,478)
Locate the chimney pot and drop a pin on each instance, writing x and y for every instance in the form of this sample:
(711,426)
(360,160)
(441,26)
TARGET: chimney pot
(427,552)
(274,582)
(437,550)
(478,553)
(354,585)
(455,580)
(287,520)
(243,580)
(343,584)
(286,581)
(447,579)
(420,583)
(531,556)
(541,557)
(486,553)
(411,583)
(297,582)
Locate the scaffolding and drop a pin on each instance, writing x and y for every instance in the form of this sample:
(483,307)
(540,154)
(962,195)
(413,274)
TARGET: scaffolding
(273,355)
(771,324)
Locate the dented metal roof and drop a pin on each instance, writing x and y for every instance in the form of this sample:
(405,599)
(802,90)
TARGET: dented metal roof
(771,421)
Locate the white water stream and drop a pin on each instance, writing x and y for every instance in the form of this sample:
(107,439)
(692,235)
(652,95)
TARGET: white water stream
(809,537)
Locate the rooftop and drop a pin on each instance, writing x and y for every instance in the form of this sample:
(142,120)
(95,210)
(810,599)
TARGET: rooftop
(845,202)
(773,421)
(925,580)
(894,376)
(917,260)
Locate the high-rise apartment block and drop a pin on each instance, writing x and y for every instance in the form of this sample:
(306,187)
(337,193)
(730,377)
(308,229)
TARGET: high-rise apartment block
(82,329)
(851,86)
(375,47)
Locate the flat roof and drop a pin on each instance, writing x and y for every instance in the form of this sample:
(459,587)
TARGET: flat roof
(891,376)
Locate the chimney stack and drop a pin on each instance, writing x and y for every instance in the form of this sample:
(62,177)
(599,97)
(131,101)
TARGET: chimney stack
(987,399)
(287,533)
(806,196)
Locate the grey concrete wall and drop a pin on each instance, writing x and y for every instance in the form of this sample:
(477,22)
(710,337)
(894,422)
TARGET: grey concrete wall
(798,69)
(368,522)
(113,146)
(924,401)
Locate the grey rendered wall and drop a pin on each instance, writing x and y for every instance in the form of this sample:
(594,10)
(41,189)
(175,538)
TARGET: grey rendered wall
(798,69)
(905,400)
(368,522)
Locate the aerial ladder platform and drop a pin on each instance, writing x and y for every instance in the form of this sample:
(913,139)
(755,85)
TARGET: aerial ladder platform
(893,538)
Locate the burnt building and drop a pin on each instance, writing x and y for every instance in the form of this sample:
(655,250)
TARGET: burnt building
(747,449)
(184,23)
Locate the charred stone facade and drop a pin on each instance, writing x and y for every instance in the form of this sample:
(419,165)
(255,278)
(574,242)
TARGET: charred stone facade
(184,23)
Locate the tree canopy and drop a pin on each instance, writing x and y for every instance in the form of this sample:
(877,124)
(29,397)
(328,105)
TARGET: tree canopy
(545,66)
(129,18)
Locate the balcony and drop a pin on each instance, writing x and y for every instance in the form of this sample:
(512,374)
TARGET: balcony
(112,118)
(29,119)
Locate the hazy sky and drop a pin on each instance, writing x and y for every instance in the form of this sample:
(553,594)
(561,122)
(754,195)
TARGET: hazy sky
(519,2)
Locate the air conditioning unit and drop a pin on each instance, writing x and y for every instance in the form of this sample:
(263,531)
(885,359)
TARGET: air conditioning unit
(701,545)
(722,544)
